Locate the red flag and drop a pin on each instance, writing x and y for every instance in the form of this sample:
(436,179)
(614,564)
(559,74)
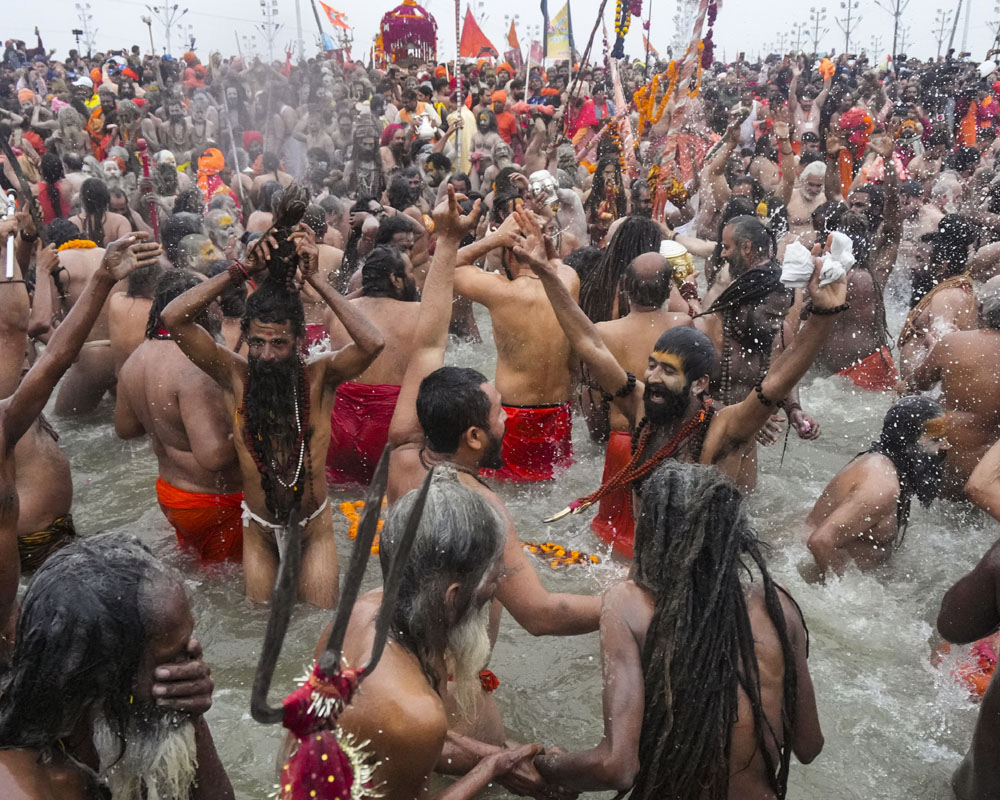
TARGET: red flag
(474,43)
(649,47)
(336,17)
(512,38)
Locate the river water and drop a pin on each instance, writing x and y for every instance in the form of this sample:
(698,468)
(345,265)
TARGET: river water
(895,726)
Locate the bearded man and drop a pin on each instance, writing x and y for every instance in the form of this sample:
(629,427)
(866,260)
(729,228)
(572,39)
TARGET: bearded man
(281,443)
(222,225)
(439,627)
(364,406)
(70,136)
(862,514)
(363,172)
(110,700)
(804,199)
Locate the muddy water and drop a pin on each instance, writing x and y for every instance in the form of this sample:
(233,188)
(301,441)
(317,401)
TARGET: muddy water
(895,726)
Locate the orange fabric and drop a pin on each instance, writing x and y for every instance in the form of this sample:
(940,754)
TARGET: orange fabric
(506,126)
(967,127)
(473,41)
(614,523)
(876,373)
(210,524)
(536,443)
(846,165)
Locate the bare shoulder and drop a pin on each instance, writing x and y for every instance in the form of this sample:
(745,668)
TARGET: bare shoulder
(24,777)
(873,475)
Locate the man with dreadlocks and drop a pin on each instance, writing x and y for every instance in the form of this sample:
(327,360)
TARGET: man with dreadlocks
(669,412)
(964,363)
(161,393)
(862,513)
(281,444)
(707,690)
(363,172)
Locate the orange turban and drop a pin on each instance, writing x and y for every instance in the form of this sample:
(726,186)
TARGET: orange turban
(96,77)
(499,96)
(25,96)
(506,67)
(212,162)
(189,58)
(441,71)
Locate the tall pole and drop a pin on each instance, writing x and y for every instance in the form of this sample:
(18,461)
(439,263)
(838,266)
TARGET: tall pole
(298,30)
(965,26)
(954,26)
(458,80)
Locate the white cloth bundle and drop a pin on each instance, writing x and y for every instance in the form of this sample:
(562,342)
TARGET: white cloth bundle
(797,265)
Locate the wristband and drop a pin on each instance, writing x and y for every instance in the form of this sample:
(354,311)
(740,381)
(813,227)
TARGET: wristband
(238,273)
(828,312)
(763,398)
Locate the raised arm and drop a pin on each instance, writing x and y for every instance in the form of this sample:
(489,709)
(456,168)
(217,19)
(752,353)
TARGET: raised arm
(366,340)
(14,313)
(782,130)
(22,408)
(739,423)
(887,247)
(970,609)
(431,334)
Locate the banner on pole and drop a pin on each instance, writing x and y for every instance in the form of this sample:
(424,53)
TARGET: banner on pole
(474,43)
(557,46)
(537,53)
(337,18)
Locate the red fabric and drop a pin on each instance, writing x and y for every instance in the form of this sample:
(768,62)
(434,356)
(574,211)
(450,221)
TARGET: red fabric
(359,430)
(49,213)
(489,681)
(473,41)
(316,332)
(506,126)
(876,373)
(536,443)
(319,769)
(211,524)
(614,522)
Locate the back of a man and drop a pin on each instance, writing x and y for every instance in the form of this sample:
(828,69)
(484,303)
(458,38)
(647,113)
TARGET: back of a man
(533,366)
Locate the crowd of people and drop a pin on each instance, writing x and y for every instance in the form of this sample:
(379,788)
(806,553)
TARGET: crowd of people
(263,265)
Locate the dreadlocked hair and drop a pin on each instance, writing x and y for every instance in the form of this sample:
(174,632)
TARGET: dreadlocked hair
(52,171)
(599,187)
(855,226)
(96,199)
(693,544)
(598,289)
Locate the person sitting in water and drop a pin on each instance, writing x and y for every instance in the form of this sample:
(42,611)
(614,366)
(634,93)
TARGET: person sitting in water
(440,642)
(363,409)
(107,691)
(533,365)
(163,394)
(862,514)
(280,443)
(970,611)
(707,690)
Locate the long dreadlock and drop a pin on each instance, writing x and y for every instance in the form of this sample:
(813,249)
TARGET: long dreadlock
(635,236)
(96,200)
(693,543)
(599,188)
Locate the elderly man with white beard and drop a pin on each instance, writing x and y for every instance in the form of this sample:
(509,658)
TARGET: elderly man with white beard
(106,689)
(438,642)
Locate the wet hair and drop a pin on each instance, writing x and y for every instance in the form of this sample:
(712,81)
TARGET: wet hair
(950,247)
(693,346)
(635,236)
(95,199)
(736,207)
(60,231)
(399,193)
(939,137)
(382,263)
(583,260)
(81,636)
(269,161)
(332,206)
(693,546)
(141,282)
(171,285)
(390,226)
(598,189)
(175,228)
(876,198)
(266,195)
(747,229)
(439,161)
(51,169)
(190,201)
(651,290)
(449,402)
(962,158)
(756,188)
(460,539)
(273,303)
(315,218)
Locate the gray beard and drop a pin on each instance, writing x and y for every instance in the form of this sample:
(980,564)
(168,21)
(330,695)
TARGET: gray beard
(160,761)
(469,651)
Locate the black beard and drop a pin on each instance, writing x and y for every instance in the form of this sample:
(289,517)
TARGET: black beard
(492,455)
(671,409)
(270,407)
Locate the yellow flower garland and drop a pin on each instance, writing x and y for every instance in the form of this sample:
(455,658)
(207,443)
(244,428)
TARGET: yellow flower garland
(697,81)
(559,556)
(77,244)
(353,513)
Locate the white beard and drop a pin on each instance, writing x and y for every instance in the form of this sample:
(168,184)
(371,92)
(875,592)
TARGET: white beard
(469,651)
(160,758)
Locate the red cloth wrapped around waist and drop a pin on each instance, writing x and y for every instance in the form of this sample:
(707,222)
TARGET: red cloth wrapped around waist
(538,440)
(614,522)
(359,430)
(876,373)
(211,524)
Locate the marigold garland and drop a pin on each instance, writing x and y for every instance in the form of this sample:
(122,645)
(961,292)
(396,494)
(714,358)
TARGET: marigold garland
(352,510)
(559,556)
(77,244)
(695,90)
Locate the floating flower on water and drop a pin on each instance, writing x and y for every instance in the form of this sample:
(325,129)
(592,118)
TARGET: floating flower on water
(559,556)
(352,510)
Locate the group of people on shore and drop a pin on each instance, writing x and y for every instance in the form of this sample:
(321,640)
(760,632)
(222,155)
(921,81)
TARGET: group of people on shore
(264,264)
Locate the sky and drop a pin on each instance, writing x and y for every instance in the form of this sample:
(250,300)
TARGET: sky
(755,27)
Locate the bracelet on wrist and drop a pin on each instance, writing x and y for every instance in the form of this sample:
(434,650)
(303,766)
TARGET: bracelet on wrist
(26,238)
(828,312)
(238,273)
(763,398)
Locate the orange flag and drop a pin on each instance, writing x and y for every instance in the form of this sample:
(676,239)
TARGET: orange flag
(474,43)
(649,47)
(512,37)
(336,17)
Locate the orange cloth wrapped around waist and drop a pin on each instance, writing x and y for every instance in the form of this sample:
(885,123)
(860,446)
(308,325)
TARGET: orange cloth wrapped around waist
(210,524)
(876,373)
(538,440)
(359,430)
(614,523)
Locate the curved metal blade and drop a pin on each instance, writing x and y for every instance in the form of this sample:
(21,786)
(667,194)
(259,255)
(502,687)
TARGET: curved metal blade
(330,658)
(285,594)
(392,580)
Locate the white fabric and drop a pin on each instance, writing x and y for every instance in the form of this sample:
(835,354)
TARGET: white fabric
(798,265)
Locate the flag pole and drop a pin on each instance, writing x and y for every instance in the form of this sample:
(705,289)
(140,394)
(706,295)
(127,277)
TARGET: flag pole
(319,25)
(458,81)
(586,57)
(649,32)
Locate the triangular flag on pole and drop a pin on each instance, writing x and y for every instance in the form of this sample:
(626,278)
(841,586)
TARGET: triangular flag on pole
(649,48)
(474,43)
(336,17)
(512,37)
